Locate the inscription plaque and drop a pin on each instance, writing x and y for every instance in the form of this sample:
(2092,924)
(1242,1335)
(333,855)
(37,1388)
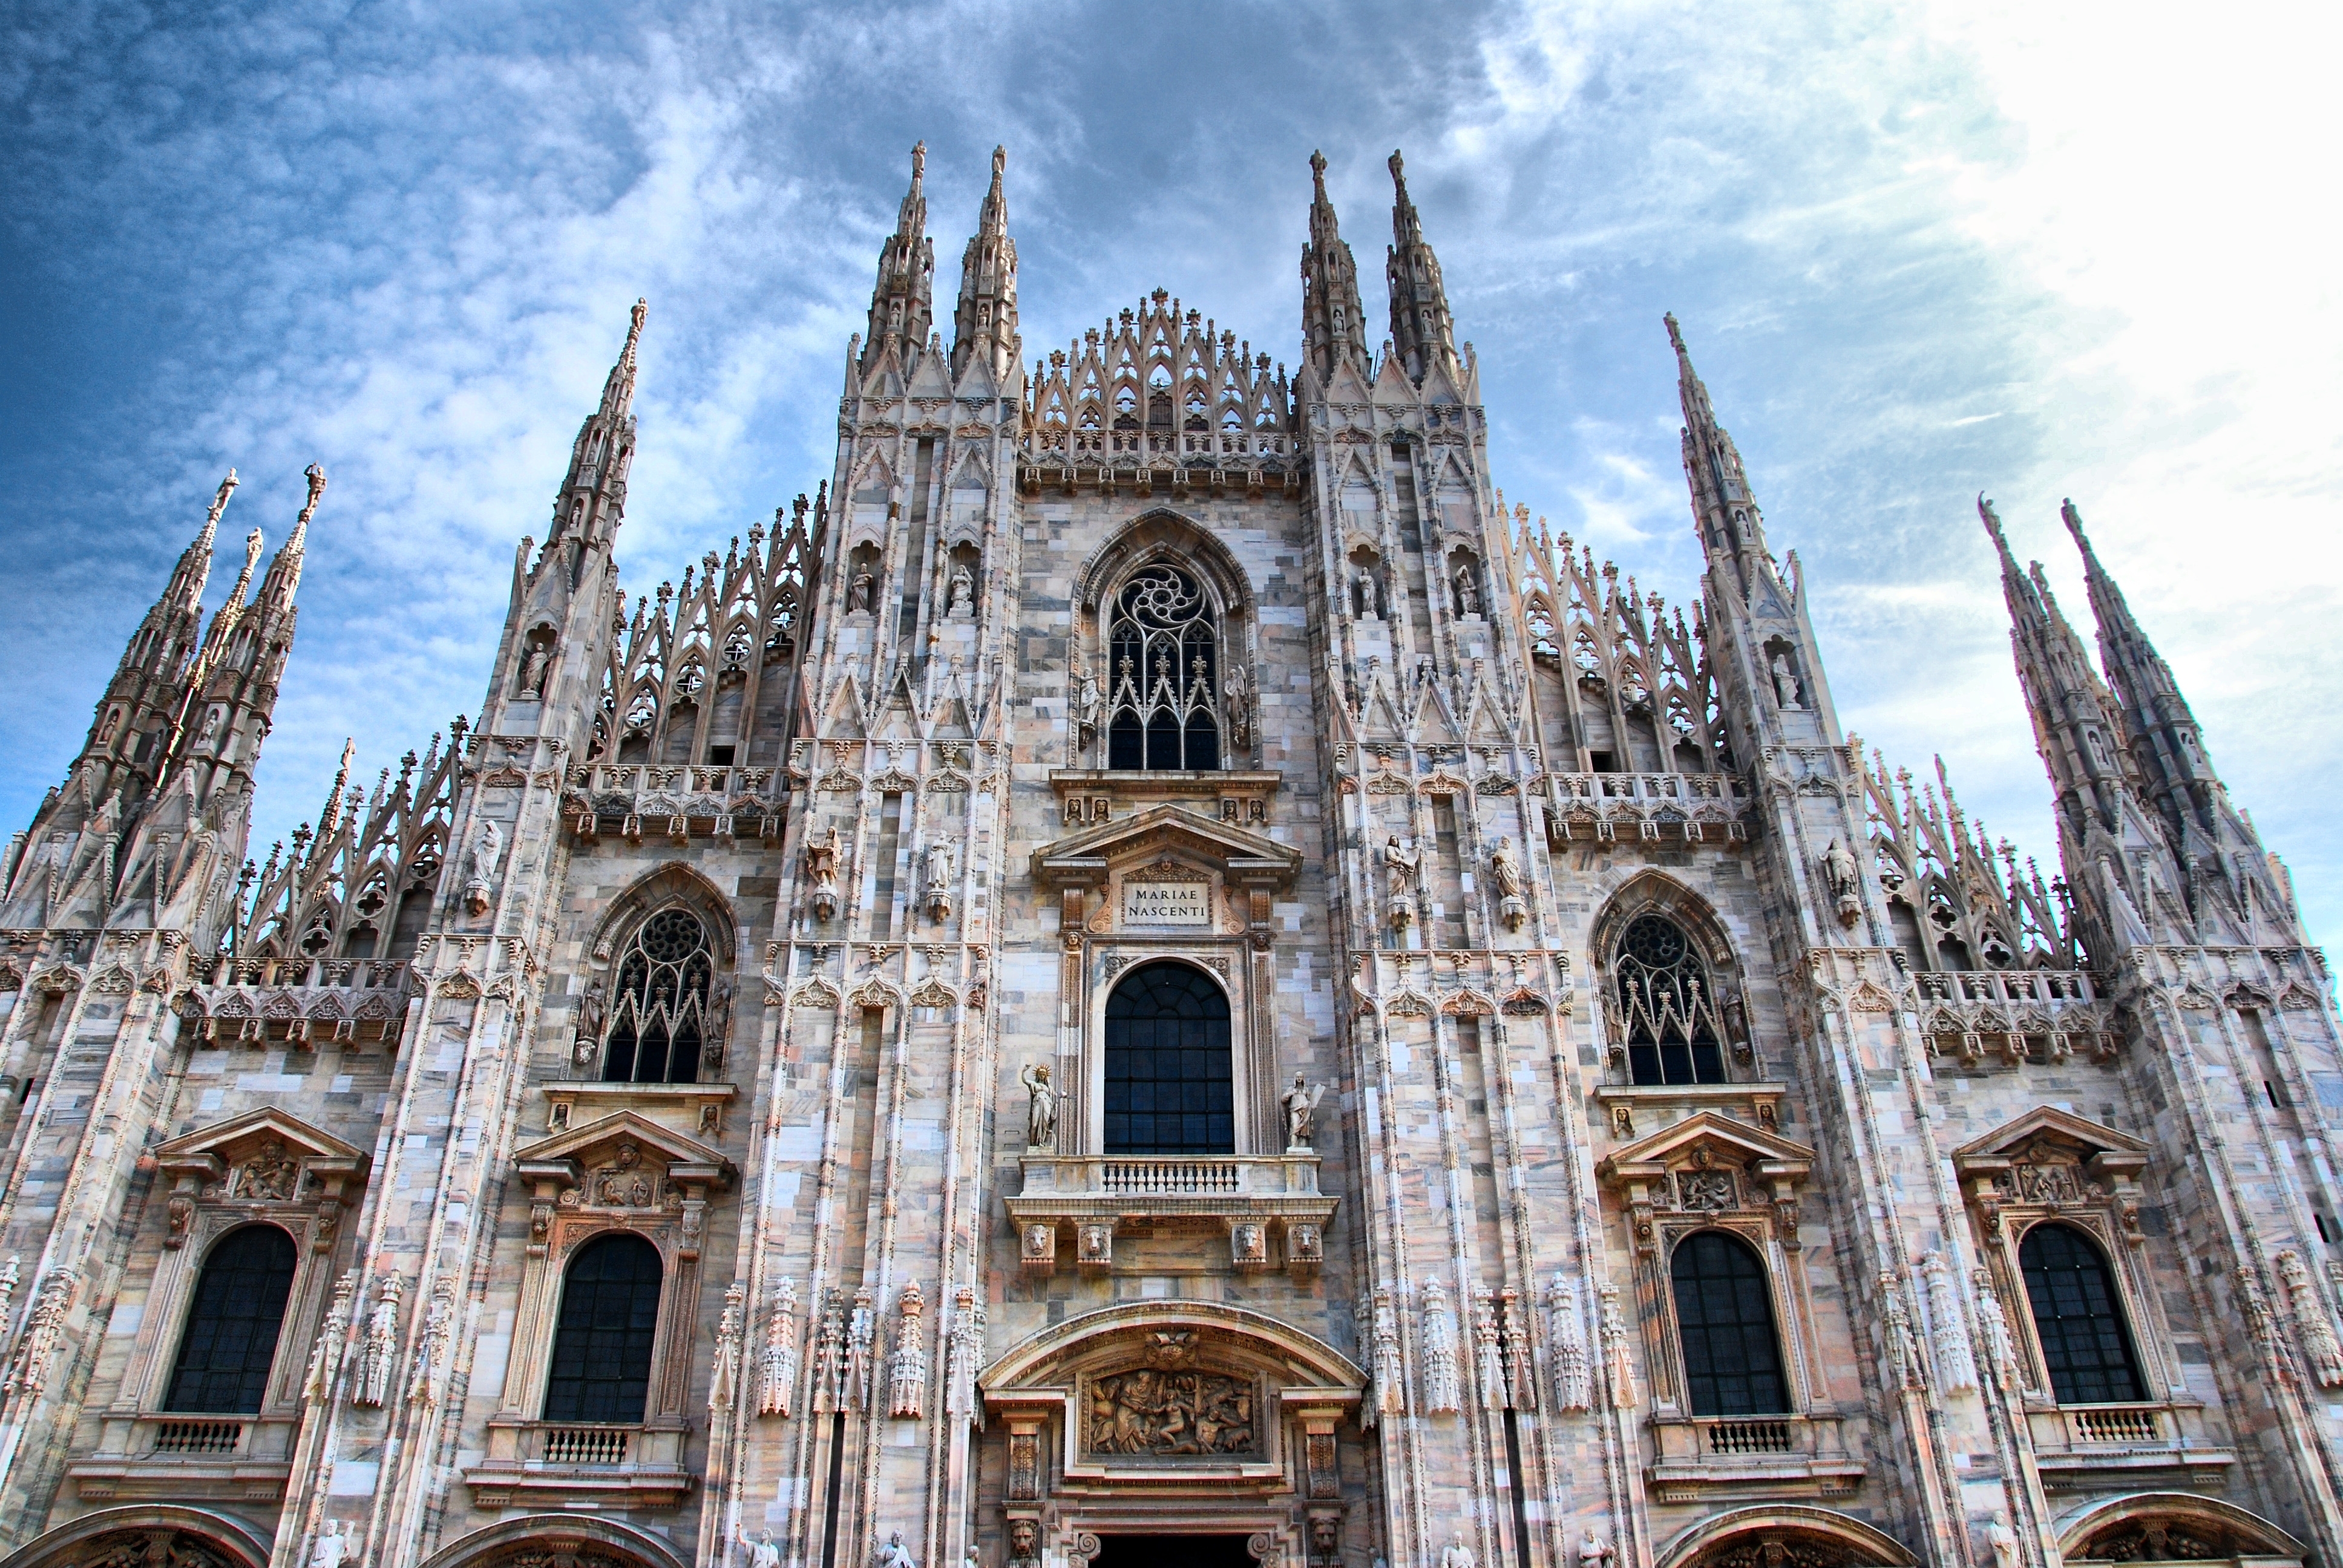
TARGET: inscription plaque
(1167,904)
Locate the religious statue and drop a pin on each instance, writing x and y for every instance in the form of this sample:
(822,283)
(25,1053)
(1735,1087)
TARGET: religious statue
(1236,699)
(330,1547)
(1086,708)
(2002,1540)
(1785,684)
(589,1035)
(1842,877)
(487,851)
(1399,881)
(862,593)
(1505,868)
(961,599)
(935,879)
(1594,1552)
(532,670)
(1369,594)
(1458,1554)
(822,870)
(892,1554)
(1041,1109)
(762,1552)
(1300,1103)
(1468,591)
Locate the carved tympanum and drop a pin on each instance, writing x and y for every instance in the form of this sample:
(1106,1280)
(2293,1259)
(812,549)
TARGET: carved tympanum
(1152,1412)
(1780,1548)
(149,1548)
(2159,1541)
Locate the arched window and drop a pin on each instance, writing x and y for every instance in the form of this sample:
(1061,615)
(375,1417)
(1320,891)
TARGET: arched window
(230,1342)
(1724,1317)
(1667,1006)
(601,1365)
(1163,655)
(2084,1342)
(658,1010)
(1168,1077)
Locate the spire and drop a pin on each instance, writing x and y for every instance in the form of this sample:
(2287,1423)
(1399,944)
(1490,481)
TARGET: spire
(2160,732)
(986,319)
(902,305)
(1732,529)
(595,488)
(1333,323)
(619,387)
(1422,331)
(284,580)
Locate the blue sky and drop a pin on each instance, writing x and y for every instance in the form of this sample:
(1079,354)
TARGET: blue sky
(1919,251)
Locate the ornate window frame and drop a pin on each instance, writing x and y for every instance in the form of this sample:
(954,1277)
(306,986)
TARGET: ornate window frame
(595,1014)
(1712,1172)
(1711,946)
(622,1172)
(1163,537)
(263,1167)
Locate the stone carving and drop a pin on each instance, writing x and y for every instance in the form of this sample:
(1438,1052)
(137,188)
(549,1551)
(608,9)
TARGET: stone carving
(963,1350)
(1440,1375)
(822,870)
(330,1547)
(862,593)
(1041,1106)
(326,1352)
(534,664)
(829,1359)
(779,1365)
(1618,1366)
(1505,872)
(906,1368)
(1390,1396)
(1398,881)
(960,602)
(1456,1554)
(1845,881)
(724,1376)
(1169,1415)
(1955,1364)
(1468,590)
(935,879)
(1520,1372)
(2002,1540)
(1087,703)
(1488,1358)
(10,1273)
(1024,1542)
(2000,1350)
(762,1552)
(271,1176)
(379,1353)
(2160,1540)
(1236,704)
(424,1384)
(1785,684)
(29,1368)
(487,852)
(2314,1329)
(1567,1340)
(150,1548)
(892,1554)
(1593,1551)
(588,1037)
(861,1332)
(1905,1367)
(1300,1104)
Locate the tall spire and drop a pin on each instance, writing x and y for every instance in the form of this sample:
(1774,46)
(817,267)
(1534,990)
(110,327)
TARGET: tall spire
(619,387)
(986,319)
(903,302)
(284,580)
(1422,331)
(1732,529)
(593,495)
(2160,732)
(1333,323)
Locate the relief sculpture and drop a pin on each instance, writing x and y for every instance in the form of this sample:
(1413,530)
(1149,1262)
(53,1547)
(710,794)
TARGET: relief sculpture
(1171,1412)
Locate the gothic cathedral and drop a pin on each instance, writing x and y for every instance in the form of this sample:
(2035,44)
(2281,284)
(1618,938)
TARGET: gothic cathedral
(1154,978)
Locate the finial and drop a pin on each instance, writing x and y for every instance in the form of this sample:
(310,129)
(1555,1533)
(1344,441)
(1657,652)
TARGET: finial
(1399,178)
(1317,173)
(219,501)
(251,551)
(315,474)
(1000,162)
(635,316)
(2073,519)
(918,161)
(1675,335)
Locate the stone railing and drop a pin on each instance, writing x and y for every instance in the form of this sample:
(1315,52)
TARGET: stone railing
(1255,1199)
(673,800)
(1689,808)
(615,1466)
(1699,1456)
(2141,1443)
(264,1000)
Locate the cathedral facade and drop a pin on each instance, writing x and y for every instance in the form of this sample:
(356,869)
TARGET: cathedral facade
(1152,975)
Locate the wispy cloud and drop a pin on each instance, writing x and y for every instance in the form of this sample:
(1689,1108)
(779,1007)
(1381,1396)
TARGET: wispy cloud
(1919,251)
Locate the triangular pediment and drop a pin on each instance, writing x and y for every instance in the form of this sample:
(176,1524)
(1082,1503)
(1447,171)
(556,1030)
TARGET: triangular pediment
(1085,857)
(239,1135)
(656,1145)
(2016,1140)
(1712,1136)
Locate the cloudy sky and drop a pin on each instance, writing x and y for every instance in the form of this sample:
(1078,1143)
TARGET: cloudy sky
(1919,251)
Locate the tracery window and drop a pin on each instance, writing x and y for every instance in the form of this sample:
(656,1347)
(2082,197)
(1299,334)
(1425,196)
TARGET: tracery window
(1168,1072)
(658,1010)
(1724,1316)
(234,1323)
(1163,655)
(1667,1006)
(601,1370)
(2085,1346)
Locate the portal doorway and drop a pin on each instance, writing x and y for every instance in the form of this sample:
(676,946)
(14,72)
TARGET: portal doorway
(1172,1551)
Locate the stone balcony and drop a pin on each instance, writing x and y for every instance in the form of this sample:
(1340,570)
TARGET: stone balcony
(673,801)
(1775,1455)
(1252,1200)
(296,1000)
(2143,1444)
(149,1455)
(529,1463)
(1650,807)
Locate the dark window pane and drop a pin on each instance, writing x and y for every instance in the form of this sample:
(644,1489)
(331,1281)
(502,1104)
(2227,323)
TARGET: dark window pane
(1668,1004)
(601,1364)
(2084,1341)
(1724,1316)
(232,1328)
(1168,1086)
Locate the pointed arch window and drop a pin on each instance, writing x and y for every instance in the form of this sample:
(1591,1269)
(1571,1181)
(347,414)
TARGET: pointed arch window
(603,1340)
(658,1010)
(230,1342)
(1667,1006)
(1164,657)
(2086,1347)
(1724,1316)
